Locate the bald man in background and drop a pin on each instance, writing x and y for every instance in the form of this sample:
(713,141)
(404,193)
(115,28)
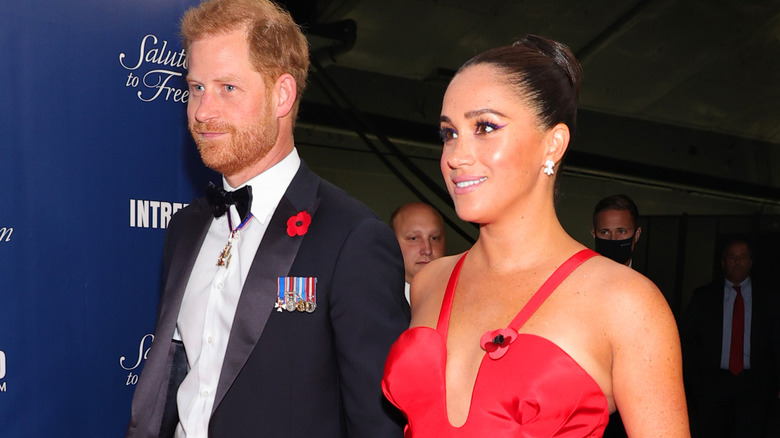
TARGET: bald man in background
(419,229)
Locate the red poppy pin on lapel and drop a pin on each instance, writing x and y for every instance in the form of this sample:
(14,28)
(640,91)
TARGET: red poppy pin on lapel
(298,224)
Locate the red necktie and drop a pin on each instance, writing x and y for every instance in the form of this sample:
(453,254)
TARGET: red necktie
(737,333)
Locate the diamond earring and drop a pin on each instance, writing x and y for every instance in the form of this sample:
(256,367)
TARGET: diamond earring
(548,167)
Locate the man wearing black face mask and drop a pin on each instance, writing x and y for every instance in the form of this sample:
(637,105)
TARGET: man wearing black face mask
(615,228)
(616,232)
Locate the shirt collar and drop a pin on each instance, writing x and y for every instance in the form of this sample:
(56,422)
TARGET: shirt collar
(269,186)
(743,284)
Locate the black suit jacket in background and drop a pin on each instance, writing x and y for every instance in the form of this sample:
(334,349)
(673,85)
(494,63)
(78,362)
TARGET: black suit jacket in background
(292,374)
(702,328)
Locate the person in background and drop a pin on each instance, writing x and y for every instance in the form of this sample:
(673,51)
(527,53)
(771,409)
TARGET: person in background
(616,232)
(731,347)
(419,229)
(616,228)
(528,333)
(281,293)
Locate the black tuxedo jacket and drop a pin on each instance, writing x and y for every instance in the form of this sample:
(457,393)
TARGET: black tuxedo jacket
(292,374)
(702,328)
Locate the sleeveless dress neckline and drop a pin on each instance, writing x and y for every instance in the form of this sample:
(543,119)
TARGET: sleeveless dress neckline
(539,297)
(532,389)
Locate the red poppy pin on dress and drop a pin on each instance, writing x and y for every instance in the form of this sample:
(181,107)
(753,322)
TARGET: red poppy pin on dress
(298,224)
(496,342)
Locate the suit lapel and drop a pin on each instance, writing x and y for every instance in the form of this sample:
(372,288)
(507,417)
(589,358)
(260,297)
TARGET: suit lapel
(150,393)
(182,262)
(273,259)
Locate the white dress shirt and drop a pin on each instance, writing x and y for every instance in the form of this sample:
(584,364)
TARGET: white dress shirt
(729,296)
(212,294)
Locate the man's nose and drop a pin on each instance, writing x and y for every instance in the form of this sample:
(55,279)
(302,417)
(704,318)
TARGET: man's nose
(207,108)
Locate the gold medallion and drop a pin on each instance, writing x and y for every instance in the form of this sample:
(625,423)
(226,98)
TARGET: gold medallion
(224,256)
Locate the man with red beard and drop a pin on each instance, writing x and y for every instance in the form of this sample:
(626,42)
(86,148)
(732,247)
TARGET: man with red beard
(282,294)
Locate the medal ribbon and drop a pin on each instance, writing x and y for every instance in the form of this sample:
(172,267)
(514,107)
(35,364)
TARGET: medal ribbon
(240,226)
(311,291)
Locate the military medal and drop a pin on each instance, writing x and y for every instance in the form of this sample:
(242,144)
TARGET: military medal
(311,294)
(289,300)
(225,256)
(300,305)
(296,293)
(279,305)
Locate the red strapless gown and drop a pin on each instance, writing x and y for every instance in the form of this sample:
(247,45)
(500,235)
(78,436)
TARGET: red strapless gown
(533,390)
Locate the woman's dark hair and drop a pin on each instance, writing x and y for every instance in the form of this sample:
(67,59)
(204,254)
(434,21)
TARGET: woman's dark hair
(545,75)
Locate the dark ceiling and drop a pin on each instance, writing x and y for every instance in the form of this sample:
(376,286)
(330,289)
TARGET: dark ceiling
(697,79)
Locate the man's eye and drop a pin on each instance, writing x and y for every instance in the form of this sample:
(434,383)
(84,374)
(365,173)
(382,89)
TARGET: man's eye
(230,87)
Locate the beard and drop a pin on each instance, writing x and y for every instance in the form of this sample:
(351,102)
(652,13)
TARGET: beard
(245,146)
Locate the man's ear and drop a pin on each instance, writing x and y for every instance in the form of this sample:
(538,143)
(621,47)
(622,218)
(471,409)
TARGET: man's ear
(285,92)
(637,233)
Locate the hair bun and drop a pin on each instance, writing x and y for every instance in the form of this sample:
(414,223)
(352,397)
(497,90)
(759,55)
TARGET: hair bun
(558,52)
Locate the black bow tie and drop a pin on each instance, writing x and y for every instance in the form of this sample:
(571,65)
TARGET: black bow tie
(220,200)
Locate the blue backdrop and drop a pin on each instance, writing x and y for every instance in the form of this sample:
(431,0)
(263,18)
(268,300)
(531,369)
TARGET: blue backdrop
(94,158)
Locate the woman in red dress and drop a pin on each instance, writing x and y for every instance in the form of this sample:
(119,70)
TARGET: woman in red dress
(528,334)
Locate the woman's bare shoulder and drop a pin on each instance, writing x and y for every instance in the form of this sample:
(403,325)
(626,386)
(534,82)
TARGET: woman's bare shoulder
(627,301)
(428,287)
(622,284)
(646,370)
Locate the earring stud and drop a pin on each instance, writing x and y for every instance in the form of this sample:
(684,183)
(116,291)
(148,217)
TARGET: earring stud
(549,167)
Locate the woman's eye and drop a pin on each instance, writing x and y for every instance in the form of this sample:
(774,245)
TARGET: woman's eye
(486,128)
(447,134)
